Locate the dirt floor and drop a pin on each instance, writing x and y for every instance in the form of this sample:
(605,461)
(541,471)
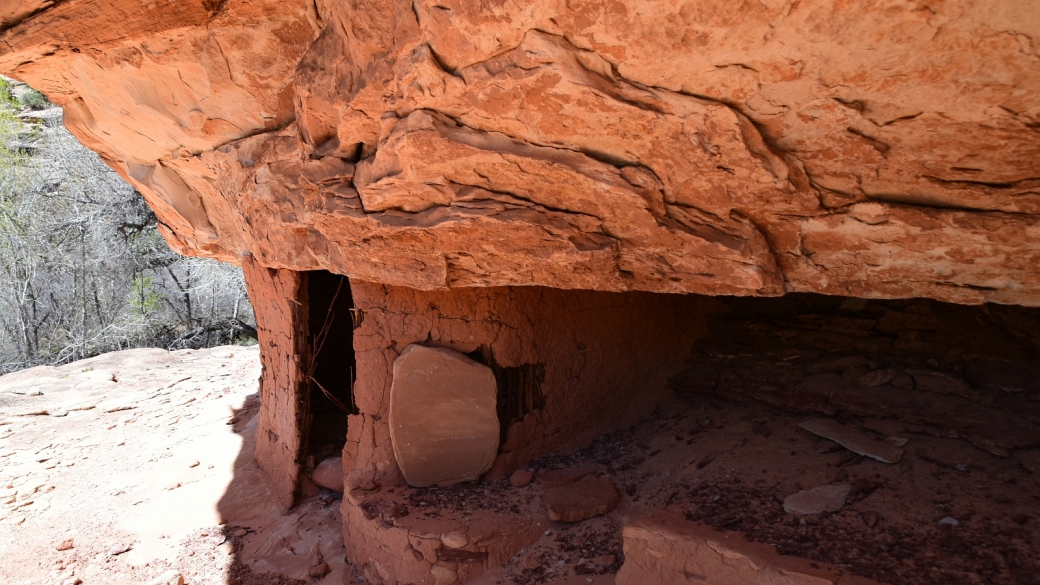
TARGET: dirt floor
(119,468)
(957,389)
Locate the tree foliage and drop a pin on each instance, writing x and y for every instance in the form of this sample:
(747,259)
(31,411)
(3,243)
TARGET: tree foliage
(83,269)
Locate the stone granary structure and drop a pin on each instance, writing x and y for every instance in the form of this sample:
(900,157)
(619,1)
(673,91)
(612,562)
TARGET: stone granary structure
(568,196)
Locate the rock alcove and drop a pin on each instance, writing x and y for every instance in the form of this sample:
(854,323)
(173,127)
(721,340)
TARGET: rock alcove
(630,214)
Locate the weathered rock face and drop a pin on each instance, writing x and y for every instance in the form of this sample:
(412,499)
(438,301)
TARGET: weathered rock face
(881,149)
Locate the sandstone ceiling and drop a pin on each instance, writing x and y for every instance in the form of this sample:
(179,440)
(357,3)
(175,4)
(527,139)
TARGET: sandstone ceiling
(878,148)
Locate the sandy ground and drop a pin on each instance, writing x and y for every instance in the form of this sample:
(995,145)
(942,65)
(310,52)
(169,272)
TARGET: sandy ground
(122,467)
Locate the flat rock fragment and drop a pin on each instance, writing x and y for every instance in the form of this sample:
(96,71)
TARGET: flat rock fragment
(853,440)
(443,419)
(588,497)
(941,383)
(820,499)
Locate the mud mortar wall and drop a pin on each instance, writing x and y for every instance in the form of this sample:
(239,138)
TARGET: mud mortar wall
(281,323)
(606,358)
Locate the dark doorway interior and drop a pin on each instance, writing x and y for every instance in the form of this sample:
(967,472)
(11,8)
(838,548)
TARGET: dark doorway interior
(332,362)
(519,388)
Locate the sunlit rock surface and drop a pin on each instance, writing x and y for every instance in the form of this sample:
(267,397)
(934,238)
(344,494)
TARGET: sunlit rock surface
(873,149)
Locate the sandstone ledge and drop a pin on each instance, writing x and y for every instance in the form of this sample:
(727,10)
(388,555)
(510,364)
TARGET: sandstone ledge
(751,149)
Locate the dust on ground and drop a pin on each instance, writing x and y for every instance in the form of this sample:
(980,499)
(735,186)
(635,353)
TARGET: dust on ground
(119,468)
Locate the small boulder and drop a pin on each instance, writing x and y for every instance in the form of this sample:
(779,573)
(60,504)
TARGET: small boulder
(329,474)
(455,539)
(588,497)
(443,575)
(942,383)
(119,549)
(532,562)
(521,478)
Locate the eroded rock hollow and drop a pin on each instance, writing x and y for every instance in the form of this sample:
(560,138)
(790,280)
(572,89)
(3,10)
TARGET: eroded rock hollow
(549,193)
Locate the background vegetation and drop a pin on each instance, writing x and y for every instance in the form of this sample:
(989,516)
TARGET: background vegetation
(83,269)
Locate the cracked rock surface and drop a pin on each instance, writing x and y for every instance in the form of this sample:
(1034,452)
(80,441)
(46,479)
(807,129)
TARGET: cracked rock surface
(875,150)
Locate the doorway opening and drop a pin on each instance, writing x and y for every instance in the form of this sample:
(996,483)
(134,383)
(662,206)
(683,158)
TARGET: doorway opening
(331,367)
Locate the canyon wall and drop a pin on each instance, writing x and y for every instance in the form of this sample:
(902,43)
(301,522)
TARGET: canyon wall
(875,149)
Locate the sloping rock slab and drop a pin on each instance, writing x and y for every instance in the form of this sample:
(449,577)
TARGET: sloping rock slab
(853,440)
(443,421)
(665,549)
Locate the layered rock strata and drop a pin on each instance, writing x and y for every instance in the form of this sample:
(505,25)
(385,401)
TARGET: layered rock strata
(462,161)
(878,150)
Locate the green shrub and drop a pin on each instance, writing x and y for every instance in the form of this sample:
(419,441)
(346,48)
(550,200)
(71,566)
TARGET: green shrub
(145,300)
(5,93)
(34,100)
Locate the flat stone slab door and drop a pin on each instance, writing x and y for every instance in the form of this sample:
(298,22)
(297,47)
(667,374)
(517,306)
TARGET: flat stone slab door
(443,419)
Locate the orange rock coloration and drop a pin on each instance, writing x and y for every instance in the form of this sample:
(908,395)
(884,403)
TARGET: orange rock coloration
(463,162)
(874,149)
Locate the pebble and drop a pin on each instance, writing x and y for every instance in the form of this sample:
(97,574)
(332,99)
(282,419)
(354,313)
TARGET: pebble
(119,549)
(948,521)
(532,562)
(65,545)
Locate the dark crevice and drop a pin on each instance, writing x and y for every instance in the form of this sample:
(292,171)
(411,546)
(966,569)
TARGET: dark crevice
(519,388)
(332,363)
(878,145)
(971,183)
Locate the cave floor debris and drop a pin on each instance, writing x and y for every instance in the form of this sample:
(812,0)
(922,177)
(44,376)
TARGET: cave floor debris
(731,466)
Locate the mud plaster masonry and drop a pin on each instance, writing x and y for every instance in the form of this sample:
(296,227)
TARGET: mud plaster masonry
(606,357)
(282,326)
